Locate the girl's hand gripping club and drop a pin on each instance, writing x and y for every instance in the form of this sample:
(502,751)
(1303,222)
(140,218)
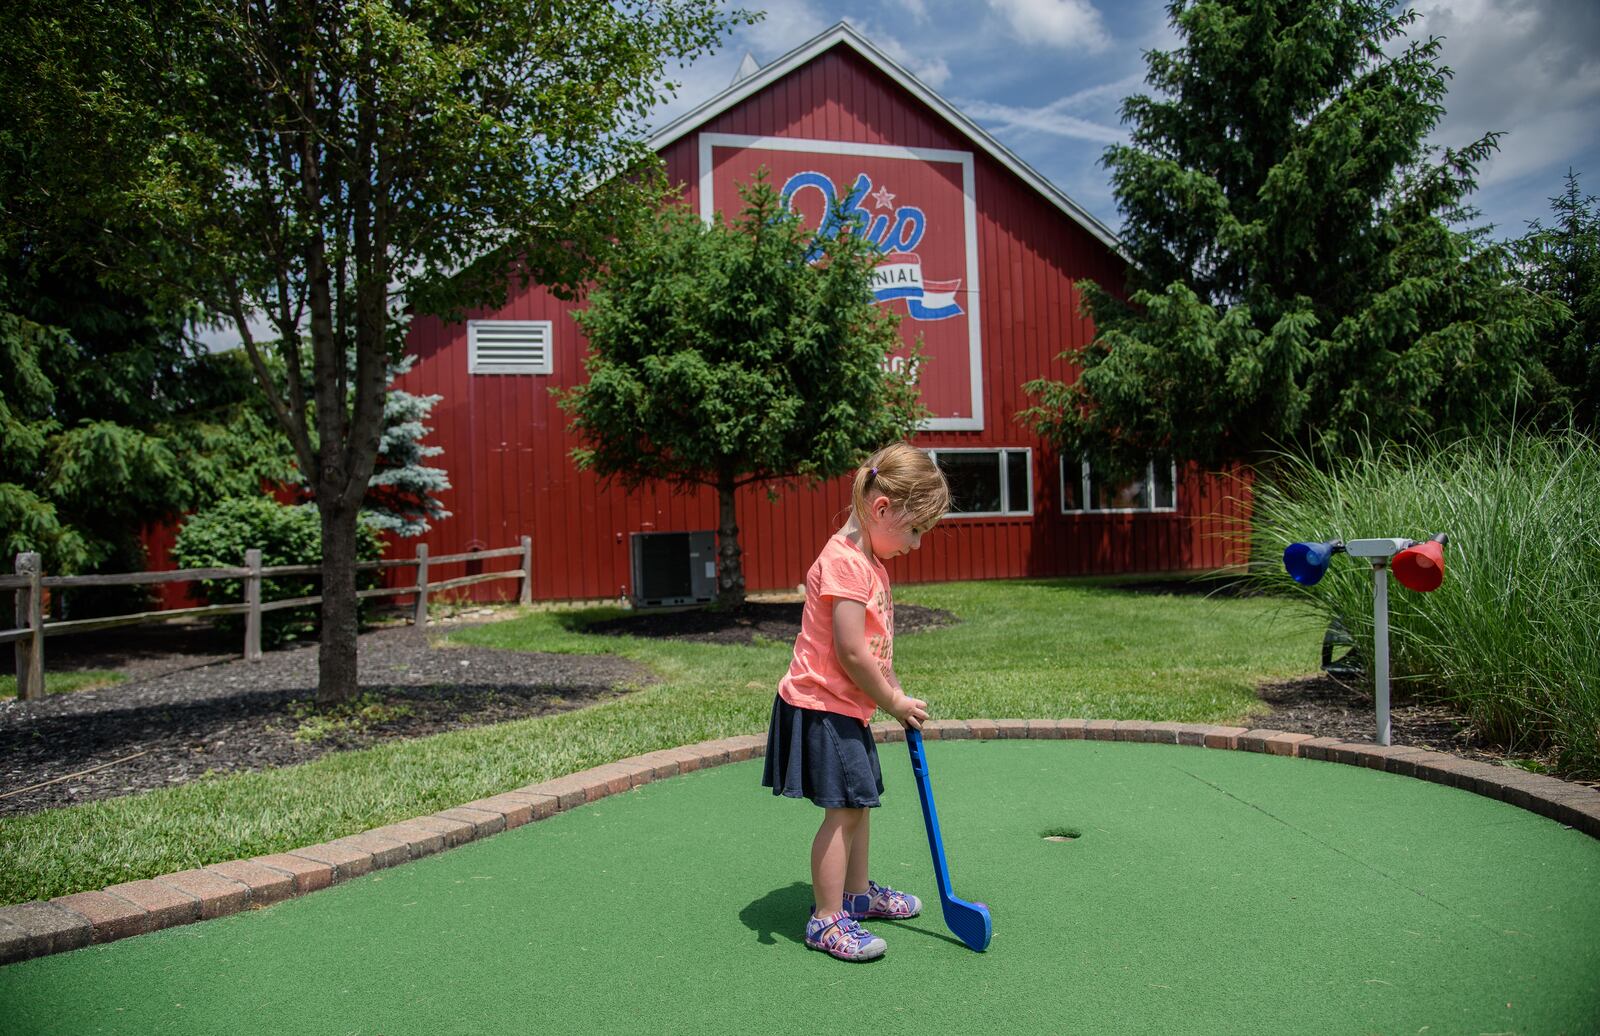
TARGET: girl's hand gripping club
(969,921)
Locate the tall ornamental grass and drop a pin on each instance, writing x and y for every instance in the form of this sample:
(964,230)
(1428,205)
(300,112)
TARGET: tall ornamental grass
(1512,638)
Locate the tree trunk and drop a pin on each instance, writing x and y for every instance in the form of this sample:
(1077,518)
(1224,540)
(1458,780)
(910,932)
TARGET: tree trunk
(730,570)
(336,655)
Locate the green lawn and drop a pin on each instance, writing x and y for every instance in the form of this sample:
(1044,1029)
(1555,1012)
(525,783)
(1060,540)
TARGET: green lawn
(61,683)
(1037,648)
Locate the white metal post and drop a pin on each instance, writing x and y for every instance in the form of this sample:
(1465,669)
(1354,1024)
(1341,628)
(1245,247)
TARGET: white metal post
(1380,645)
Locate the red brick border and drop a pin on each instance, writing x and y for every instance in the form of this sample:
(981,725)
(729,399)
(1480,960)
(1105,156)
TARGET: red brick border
(134,907)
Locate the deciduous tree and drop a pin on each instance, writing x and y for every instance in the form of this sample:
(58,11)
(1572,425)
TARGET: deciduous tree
(332,168)
(721,356)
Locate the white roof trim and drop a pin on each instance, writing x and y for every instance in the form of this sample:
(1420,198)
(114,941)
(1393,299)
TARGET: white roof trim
(844,33)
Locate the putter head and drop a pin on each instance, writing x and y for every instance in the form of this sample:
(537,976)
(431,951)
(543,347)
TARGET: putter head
(970,923)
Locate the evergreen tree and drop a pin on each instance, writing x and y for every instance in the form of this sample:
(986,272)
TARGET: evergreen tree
(1296,277)
(1561,262)
(723,356)
(111,418)
(402,493)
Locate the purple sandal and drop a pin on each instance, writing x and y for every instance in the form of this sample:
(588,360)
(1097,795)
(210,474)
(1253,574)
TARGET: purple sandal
(879,901)
(840,936)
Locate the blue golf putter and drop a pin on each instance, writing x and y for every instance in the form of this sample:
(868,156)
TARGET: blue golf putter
(969,921)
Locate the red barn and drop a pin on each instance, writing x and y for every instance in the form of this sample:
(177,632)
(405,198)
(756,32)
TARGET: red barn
(980,257)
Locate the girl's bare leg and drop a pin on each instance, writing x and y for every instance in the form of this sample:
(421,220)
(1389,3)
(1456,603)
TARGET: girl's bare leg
(830,857)
(855,874)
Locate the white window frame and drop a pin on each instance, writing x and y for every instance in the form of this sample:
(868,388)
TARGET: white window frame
(545,328)
(1005,488)
(1084,474)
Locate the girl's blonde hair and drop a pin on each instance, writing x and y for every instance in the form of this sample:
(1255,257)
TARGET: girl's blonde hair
(909,478)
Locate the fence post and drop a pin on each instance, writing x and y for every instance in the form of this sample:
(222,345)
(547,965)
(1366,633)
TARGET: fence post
(527,570)
(252,597)
(30,616)
(420,620)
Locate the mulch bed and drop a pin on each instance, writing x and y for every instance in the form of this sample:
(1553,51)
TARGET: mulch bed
(1328,707)
(191,706)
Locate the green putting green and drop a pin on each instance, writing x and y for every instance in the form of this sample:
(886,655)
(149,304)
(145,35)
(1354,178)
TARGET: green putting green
(1206,892)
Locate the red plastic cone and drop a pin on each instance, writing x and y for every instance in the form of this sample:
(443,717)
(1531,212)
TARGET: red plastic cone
(1421,567)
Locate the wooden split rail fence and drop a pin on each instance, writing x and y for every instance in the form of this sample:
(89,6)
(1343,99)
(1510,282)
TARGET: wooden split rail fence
(29,584)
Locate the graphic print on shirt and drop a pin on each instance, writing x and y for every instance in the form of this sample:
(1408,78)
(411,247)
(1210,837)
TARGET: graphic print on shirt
(882,646)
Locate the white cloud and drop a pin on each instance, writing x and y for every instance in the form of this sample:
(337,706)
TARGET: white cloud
(1159,34)
(1102,93)
(1512,58)
(1532,146)
(1529,68)
(785,27)
(1063,117)
(916,8)
(224,336)
(932,71)
(1047,119)
(1061,23)
(697,83)
(929,67)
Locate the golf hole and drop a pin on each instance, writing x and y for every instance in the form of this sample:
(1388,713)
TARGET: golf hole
(1062,834)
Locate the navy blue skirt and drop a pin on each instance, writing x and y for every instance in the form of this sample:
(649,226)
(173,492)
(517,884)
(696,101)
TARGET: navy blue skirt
(822,756)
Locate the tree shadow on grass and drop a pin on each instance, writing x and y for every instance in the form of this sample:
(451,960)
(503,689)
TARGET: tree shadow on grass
(578,620)
(752,622)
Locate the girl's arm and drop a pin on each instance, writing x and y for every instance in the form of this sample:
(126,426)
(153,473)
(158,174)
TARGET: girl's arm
(855,658)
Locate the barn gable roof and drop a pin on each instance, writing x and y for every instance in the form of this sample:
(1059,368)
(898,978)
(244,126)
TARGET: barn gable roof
(843,34)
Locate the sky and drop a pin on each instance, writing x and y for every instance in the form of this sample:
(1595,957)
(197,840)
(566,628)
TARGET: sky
(1047,78)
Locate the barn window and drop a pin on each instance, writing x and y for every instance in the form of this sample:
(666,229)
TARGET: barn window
(987,482)
(1085,491)
(508,347)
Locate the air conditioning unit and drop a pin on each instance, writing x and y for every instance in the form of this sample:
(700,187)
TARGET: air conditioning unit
(674,568)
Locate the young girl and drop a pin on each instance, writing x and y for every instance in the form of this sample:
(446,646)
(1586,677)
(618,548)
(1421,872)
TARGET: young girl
(819,745)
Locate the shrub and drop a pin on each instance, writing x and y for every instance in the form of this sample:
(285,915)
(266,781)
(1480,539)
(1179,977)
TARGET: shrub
(1512,638)
(218,537)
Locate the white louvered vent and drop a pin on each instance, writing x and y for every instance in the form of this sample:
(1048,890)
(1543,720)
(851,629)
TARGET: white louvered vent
(508,346)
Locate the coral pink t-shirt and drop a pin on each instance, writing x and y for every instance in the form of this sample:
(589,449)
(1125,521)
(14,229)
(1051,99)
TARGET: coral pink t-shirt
(815,679)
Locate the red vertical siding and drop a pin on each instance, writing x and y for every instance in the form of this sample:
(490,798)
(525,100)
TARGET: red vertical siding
(159,538)
(508,450)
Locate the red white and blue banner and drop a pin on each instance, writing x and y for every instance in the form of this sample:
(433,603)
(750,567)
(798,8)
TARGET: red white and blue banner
(916,206)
